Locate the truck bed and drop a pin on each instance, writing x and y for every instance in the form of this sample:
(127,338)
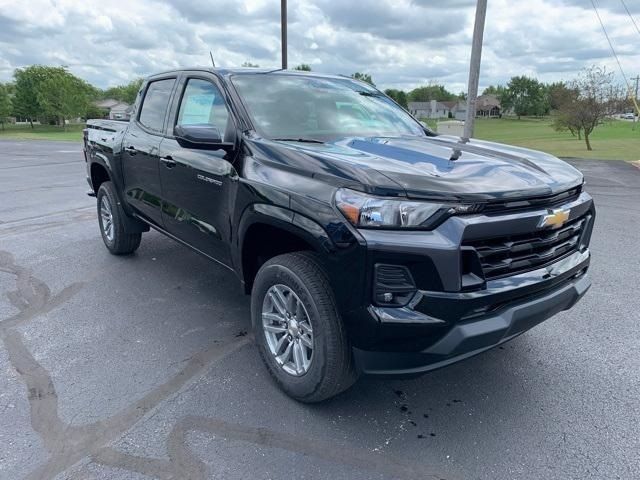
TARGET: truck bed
(104,132)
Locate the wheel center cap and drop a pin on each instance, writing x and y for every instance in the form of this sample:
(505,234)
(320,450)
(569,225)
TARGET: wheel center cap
(294,330)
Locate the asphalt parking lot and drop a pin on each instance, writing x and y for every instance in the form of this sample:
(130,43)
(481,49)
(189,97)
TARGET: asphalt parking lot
(141,367)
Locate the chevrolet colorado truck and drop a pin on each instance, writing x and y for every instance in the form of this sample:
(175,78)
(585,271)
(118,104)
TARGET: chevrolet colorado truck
(368,243)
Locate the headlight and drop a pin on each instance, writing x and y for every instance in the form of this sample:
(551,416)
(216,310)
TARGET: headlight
(375,212)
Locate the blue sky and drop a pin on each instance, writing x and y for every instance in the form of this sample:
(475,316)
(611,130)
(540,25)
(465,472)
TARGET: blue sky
(401,43)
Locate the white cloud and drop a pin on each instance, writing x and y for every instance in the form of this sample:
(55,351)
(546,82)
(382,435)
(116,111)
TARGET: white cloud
(402,43)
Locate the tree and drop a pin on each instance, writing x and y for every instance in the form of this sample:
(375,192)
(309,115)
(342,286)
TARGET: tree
(28,81)
(399,96)
(592,98)
(250,65)
(304,67)
(6,106)
(498,90)
(566,117)
(125,93)
(365,77)
(63,96)
(526,96)
(558,93)
(93,111)
(431,92)
(10,88)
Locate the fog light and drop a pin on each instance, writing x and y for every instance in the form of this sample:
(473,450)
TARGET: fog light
(393,285)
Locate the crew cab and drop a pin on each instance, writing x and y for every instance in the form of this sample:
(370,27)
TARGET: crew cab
(368,243)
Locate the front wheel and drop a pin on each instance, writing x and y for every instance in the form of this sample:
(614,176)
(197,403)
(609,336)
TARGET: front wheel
(298,330)
(111,221)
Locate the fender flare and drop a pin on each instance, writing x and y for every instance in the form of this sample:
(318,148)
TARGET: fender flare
(131,224)
(283,218)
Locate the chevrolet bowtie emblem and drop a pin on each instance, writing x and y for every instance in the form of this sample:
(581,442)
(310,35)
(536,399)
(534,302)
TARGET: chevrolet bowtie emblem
(554,219)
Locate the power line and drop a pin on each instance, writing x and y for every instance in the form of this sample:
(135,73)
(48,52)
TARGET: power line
(631,16)
(637,79)
(613,50)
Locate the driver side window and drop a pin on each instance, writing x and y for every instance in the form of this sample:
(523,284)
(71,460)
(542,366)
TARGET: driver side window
(203,104)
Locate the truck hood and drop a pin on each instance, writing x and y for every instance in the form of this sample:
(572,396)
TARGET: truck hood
(435,167)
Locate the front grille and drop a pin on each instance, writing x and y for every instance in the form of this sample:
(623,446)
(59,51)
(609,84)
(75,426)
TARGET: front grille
(549,201)
(511,254)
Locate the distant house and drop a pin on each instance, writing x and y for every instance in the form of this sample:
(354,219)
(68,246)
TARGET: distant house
(116,109)
(460,112)
(449,106)
(486,106)
(431,109)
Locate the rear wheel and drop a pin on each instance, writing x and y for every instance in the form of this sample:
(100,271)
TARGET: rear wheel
(111,221)
(298,330)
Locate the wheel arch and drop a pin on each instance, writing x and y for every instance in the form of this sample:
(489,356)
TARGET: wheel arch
(99,174)
(266,231)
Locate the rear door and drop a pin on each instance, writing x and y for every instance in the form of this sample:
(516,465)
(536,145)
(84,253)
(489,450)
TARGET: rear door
(196,183)
(141,148)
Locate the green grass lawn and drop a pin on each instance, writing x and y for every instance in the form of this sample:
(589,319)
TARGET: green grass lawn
(42,132)
(614,140)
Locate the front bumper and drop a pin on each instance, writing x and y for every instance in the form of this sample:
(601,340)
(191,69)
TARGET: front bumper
(446,320)
(468,338)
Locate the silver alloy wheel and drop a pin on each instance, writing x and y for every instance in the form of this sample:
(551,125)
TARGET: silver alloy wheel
(107,217)
(287,328)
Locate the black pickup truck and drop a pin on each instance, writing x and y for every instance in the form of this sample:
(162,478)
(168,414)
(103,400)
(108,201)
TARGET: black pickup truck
(369,244)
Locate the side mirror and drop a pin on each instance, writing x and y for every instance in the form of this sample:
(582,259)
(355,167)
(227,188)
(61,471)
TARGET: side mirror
(200,135)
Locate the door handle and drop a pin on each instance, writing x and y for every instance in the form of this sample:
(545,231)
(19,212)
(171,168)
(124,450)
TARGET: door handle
(168,161)
(131,150)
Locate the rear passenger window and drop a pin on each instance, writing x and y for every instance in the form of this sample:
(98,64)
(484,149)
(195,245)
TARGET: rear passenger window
(202,104)
(155,104)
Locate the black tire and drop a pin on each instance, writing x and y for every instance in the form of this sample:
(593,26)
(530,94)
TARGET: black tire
(331,369)
(121,242)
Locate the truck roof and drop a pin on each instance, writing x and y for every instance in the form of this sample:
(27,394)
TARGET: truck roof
(246,71)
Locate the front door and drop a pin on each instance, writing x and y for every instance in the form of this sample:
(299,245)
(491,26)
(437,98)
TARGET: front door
(141,148)
(196,183)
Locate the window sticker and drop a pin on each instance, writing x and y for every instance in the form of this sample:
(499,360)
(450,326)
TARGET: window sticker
(197,108)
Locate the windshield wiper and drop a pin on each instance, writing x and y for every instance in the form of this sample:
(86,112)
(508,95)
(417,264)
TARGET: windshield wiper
(303,140)
(364,93)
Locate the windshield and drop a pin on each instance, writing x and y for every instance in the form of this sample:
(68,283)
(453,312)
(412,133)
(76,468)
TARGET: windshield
(293,107)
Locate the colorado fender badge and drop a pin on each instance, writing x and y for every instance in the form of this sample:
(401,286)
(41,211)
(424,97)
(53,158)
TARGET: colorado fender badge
(208,179)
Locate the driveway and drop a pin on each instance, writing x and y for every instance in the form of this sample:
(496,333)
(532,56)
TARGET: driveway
(141,367)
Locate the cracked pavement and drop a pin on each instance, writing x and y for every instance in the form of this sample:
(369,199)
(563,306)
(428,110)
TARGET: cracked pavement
(137,367)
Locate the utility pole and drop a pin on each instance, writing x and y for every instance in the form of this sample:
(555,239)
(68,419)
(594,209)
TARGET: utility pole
(474,68)
(283,28)
(635,101)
